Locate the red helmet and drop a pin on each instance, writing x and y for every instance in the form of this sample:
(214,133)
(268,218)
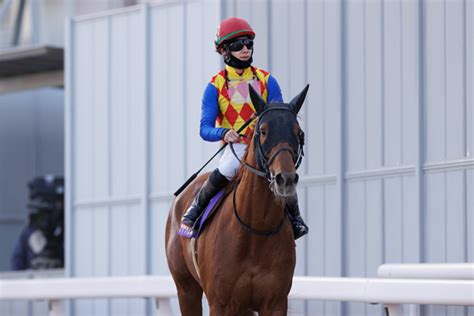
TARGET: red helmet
(232,28)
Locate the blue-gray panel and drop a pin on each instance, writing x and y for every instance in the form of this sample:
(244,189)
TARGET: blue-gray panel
(355,93)
(333,93)
(324,241)
(201,22)
(455,79)
(83,265)
(83,111)
(393,220)
(356,228)
(409,23)
(167,100)
(120,104)
(456,216)
(120,247)
(158,102)
(258,17)
(174,106)
(296,71)
(470,215)
(280,62)
(100,231)
(411,221)
(374,225)
(435,80)
(374,84)
(99,144)
(434,238)
(315,107)
(136,103)
(159,215)
(100,252)
(469,68)
(393,67)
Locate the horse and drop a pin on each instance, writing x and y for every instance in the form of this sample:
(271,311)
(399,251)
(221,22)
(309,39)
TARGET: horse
(246,256)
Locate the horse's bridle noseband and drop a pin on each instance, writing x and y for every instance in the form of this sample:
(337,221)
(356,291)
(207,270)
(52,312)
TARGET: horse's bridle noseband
(262,161)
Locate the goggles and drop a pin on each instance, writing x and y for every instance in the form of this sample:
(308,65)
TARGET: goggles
(239,44)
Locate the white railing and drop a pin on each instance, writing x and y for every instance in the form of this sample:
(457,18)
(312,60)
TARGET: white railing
(452,271)
(390,292)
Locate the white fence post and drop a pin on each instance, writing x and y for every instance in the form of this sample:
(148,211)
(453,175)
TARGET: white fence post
(394,309)
(163,307)
(56,308)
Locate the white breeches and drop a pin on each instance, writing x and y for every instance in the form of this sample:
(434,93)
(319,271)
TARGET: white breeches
(228,165)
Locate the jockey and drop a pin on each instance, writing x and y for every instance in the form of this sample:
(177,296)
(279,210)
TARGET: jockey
(226,106)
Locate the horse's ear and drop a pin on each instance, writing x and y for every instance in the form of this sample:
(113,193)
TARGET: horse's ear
(257,101)
(297,101)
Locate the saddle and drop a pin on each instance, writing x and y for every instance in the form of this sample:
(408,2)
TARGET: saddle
(205,216)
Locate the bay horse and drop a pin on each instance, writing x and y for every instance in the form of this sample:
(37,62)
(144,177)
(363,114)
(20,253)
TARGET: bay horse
(246,255)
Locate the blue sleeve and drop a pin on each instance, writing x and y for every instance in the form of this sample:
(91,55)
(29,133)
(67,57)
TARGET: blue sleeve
(274,91)
(209,113)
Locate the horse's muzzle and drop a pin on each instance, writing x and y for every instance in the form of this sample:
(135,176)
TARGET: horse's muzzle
(285,184)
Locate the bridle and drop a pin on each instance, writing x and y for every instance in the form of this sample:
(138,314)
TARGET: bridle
(262,161)
(264,164)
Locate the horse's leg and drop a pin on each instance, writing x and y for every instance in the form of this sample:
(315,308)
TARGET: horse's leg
(189,296)
(189,290)
(277,309)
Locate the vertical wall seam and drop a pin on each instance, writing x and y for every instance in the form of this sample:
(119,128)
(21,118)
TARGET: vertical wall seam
(364,140)
(401,85)
(342,119)
(185,88)
(446,153)
(465,146)
(109,146)
(146,150)
(68,156)
(92,143)
(305,56)
(270,35)
(401,161)
(382,123)
(306,111)
(421,131)
(342,147)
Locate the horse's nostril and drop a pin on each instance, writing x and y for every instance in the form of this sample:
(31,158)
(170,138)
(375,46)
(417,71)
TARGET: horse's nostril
(297,177)
(279,179)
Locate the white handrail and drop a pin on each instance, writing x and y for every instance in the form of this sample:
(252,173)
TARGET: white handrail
(390,292)
(452,271)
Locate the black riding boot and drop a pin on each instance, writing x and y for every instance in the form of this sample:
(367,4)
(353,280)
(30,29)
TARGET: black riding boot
(211,186)
(299,227)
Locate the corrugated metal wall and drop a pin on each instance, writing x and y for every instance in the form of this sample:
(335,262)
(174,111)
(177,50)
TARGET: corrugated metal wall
(388,174)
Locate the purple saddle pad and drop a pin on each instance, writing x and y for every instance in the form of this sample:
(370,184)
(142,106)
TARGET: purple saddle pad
(194,233)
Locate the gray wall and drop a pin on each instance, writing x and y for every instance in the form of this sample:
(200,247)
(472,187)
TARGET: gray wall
(31,144)
(388,174)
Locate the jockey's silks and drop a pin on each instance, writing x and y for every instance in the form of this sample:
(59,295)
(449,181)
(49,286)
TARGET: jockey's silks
(235,105)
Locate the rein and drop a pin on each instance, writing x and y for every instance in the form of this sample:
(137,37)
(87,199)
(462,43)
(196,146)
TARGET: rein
(250,229)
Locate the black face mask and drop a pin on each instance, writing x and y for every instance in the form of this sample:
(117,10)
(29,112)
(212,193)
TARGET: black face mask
(230,60)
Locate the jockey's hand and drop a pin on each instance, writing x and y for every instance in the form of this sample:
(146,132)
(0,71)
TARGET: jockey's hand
(231,136)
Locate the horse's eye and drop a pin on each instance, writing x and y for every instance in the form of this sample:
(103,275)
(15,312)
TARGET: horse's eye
(262,132)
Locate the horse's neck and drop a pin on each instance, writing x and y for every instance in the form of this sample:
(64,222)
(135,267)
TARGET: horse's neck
(256,204)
